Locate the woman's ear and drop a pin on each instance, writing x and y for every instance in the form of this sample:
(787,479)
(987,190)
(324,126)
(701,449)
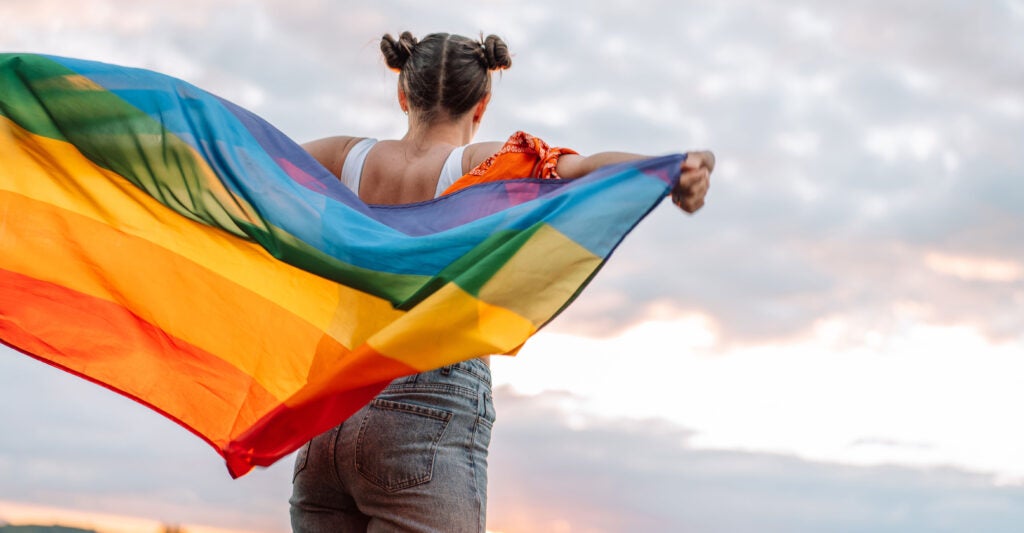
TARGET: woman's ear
(478,113)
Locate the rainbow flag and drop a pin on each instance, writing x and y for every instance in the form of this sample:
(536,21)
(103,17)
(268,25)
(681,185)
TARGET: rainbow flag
(173,247)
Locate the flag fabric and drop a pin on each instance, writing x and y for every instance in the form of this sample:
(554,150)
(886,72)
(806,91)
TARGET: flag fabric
(175,248)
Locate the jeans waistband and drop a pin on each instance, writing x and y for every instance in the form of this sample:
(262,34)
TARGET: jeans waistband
(473,367)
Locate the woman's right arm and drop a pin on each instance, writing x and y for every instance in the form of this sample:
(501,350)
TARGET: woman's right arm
(331,151)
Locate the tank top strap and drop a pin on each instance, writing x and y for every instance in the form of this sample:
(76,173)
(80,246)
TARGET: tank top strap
(451,171)
(352,169)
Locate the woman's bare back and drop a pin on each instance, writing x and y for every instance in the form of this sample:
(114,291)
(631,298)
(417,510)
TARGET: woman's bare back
(397,172)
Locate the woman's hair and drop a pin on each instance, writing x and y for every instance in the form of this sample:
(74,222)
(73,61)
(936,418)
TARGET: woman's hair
(444,74)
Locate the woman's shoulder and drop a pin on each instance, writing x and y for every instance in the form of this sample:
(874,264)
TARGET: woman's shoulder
(519,142)
(332,151)
(477,153)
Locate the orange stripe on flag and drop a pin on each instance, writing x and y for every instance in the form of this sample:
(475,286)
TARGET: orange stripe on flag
(109,345)
(184,299)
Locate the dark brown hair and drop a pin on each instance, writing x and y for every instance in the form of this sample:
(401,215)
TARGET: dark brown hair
(444,74)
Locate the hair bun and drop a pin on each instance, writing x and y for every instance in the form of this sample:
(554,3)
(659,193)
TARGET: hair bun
(496,53)
(396,53)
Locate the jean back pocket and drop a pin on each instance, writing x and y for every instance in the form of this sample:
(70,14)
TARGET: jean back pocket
(397,442)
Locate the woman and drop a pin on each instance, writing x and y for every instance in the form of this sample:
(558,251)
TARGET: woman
(415,459)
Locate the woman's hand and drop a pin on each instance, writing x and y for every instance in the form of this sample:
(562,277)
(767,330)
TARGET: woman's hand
(694,182)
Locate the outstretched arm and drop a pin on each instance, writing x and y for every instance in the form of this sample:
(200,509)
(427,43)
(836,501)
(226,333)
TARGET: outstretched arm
(688,195)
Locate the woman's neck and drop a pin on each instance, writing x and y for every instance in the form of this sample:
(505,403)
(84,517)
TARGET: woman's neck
(454,132)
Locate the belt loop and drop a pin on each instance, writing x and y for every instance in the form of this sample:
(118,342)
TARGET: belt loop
(447,370)
(481,402)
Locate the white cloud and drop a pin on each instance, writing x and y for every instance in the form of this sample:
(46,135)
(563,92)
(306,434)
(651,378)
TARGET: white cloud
(816,397)
(799,143)
(1016,8)
(810,25)
(1009,105)
(974,268)
(617,474)
(891,143)
(861,221)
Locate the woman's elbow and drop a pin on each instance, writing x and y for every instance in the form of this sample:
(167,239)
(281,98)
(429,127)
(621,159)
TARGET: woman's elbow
(571,166)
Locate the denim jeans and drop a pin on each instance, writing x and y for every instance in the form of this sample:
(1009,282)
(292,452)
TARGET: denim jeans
(413,459)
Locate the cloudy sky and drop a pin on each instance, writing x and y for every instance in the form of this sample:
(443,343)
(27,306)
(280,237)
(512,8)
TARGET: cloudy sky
(833,343)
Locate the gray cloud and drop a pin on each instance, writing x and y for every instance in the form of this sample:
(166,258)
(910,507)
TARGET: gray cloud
(68,443)
(618,475)
(78,446)
(764,256)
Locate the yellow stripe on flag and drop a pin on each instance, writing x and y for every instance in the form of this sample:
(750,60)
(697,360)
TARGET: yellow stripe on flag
(552,265)
(451,322)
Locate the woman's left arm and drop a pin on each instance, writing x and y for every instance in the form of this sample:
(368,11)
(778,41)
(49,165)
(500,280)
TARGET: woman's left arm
(694,180)
(689,195)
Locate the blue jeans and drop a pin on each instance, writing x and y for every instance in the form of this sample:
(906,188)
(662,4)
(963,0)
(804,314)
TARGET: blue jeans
(414,459)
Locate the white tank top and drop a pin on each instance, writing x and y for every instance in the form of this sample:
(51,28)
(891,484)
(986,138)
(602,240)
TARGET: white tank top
(352,170)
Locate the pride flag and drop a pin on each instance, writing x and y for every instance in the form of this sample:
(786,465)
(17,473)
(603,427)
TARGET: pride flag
(175,248)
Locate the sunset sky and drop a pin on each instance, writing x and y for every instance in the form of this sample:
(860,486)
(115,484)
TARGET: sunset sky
(834,343)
